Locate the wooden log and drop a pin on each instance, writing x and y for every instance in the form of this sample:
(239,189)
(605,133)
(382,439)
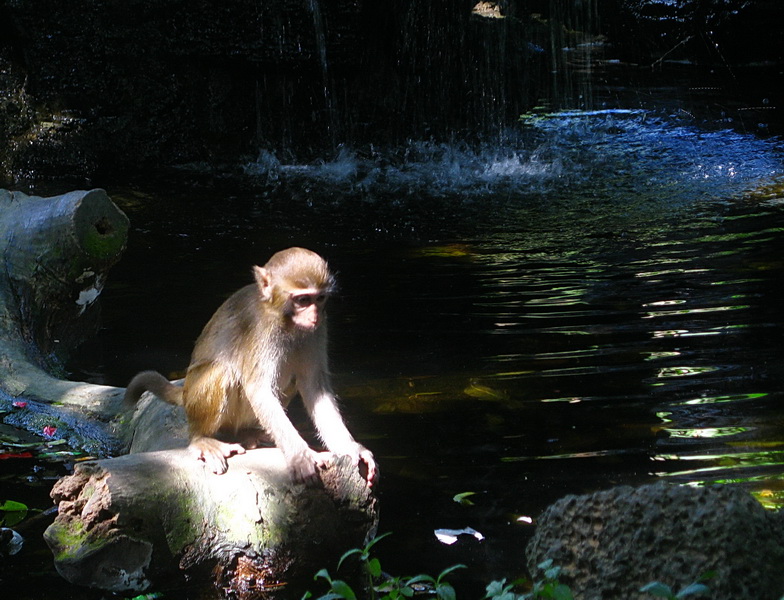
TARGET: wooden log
(57,252)
(157,519)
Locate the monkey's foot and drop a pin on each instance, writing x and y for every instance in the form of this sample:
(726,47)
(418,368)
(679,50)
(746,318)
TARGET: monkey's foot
(214,453)
(257,439)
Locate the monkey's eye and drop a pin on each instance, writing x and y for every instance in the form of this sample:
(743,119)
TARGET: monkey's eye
(305,300)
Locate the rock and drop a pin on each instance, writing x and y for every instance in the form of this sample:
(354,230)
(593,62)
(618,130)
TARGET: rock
(613,542)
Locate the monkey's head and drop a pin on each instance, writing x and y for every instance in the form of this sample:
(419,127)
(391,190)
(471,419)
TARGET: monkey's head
(295,284)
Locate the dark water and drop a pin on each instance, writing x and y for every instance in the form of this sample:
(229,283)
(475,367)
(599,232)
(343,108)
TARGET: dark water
(594,302)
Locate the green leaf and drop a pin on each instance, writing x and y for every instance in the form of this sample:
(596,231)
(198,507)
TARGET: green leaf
(448,570)
(496,588)
(347,554)
(343,590)
(562,592)
(547,590)
(12,513)
(445,592)
(376,540)
(462,498)
(374,567)
(421,578)
(323,574)
(658,589)
(13,506)
(693,589)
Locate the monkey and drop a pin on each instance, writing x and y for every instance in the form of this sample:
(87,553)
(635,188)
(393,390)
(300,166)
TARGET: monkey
(265,343)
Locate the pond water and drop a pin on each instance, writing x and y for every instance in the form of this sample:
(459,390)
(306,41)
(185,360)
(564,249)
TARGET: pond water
(593,301)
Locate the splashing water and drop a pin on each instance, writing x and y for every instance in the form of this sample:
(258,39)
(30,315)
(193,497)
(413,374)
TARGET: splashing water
(632,150)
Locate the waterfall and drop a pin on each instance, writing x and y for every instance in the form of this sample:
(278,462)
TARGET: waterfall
(320,37)
(385,74)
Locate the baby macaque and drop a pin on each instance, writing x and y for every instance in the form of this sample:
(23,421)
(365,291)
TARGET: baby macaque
(266,343)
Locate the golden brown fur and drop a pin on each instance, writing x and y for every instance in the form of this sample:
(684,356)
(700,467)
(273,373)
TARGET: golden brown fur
(263,345)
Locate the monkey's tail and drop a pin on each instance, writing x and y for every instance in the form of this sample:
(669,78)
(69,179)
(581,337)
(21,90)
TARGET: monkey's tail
(152,381)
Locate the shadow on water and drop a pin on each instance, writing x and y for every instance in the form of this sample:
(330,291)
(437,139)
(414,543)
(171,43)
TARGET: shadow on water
(595,303)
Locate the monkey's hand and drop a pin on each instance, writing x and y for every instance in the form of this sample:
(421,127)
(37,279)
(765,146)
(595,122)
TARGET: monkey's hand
(303,467)
(364,461)
(366,456)
(214,453)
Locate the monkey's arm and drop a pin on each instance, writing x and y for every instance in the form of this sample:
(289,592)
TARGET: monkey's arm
(323,408)
(268,409)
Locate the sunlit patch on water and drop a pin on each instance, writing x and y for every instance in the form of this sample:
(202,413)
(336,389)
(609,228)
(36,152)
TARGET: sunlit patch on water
(724,399)
(706,432)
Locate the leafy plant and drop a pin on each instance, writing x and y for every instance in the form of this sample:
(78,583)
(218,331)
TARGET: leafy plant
(549,587)
(500,590)
(380,587)
(662,590)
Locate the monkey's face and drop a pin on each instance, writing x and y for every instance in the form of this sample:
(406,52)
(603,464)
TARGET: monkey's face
(307,308)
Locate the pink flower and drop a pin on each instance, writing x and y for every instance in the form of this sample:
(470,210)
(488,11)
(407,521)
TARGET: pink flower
(49,431)
(19,404)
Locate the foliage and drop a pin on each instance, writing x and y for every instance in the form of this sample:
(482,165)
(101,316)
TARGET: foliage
(661,590)
(12,512)
(384,587)
(380,587)
(549,587)
(464,498)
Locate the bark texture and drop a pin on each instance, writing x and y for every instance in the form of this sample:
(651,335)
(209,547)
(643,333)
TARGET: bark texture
(159,519)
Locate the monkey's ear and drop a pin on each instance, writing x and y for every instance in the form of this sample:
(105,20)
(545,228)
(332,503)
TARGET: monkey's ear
(263,281)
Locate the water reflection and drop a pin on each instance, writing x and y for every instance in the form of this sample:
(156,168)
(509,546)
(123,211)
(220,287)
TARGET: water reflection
(598,304)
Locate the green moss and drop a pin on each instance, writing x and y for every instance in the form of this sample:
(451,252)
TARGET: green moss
(87,491)
(106,239)
(66,540)
(182,530)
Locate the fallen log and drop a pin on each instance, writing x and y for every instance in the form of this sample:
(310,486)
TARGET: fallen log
(155,517)
(158,519)
(56,256)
